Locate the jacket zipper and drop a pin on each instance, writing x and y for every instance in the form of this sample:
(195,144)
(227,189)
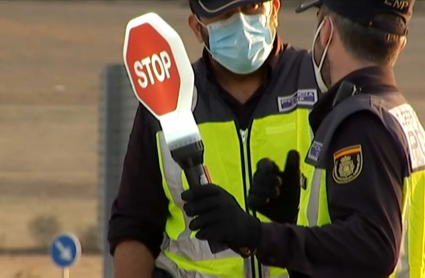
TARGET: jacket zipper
(244,137)
(247,175)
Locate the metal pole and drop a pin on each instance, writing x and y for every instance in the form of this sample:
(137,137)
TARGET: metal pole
(65,273)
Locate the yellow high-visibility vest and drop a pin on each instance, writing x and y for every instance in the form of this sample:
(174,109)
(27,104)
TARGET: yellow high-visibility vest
(394,113)
(280,124)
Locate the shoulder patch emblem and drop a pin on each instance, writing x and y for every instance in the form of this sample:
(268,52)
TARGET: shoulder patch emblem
(348,164)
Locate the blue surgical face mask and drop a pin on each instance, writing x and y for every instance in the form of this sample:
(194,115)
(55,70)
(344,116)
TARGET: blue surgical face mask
(241,43)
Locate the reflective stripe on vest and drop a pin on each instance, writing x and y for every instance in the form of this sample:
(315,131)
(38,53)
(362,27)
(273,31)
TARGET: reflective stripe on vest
(184,246)
(412,257)
(411,262)
(313,208)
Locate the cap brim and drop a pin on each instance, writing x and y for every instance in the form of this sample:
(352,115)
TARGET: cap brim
(219,7)
(307,5)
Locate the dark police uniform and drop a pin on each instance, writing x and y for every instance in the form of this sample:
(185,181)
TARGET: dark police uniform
(369,146)
(146,207)
(366,153)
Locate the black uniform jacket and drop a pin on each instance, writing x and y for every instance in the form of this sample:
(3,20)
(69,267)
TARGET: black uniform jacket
(364,237)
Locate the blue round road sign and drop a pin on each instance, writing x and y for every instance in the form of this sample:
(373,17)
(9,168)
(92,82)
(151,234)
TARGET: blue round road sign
(65,250)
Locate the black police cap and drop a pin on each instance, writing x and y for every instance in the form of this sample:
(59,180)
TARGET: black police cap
(213,8)
(364,12)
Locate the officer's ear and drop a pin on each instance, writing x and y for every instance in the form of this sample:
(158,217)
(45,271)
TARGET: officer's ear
(196,27)
(327,31)
(403,43)
(275,12)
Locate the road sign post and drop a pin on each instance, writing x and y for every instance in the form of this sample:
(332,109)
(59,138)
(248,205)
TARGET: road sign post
(65,251)
(162,79)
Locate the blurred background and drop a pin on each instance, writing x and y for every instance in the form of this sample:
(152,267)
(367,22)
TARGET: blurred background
(54,113)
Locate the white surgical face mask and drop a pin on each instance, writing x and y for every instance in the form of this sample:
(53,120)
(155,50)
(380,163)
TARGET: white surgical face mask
(318,67)
(241,43)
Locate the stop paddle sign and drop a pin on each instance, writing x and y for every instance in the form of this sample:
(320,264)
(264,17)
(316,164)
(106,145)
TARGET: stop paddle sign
(158,66)
(163,80)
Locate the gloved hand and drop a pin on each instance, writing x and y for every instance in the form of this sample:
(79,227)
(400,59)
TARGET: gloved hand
(221,219)
(274,193)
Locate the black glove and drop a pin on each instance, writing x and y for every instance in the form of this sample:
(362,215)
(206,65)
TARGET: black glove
(276,194)
(221,219)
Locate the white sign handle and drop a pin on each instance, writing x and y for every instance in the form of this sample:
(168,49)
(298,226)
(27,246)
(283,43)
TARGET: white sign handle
(65,273)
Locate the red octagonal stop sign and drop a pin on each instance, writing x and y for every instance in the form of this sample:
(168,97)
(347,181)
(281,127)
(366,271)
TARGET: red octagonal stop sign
(152,69)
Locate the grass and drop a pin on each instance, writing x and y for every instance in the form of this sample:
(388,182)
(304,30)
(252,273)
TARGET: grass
(42,267)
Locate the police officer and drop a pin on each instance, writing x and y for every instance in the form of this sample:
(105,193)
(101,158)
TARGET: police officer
(369,146)
(254,94)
